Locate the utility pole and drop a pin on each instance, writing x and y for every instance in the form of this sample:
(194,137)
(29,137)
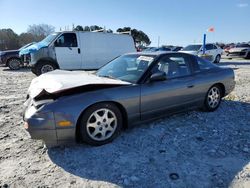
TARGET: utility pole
(158,41)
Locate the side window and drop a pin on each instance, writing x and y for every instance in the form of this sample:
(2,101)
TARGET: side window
(66,40)
(174,66)
(204,65)
(215,47)
(209,46)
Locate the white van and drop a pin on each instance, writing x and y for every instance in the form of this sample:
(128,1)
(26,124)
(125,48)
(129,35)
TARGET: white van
(77,50)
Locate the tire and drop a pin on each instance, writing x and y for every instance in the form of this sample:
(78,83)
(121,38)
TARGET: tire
(14,64)
(247,56)
(33,70)
(44,67)
(213,98)
(100,124)
(217,59)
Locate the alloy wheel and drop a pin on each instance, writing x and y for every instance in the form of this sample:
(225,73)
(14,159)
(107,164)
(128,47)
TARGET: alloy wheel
(101,124)
(214,97)
(46,68)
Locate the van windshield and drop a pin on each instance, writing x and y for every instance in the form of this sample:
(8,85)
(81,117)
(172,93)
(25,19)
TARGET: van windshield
(50,38)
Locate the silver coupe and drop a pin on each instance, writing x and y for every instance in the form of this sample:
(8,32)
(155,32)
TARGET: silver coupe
(65,106)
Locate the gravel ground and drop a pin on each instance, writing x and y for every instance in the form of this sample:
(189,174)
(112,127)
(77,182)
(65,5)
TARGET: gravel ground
(193,149)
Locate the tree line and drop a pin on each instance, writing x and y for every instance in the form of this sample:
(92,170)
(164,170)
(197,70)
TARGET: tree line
(140,38)
(9,40)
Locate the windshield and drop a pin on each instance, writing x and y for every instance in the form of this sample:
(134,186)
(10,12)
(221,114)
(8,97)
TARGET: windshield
(50,38)
(127,67)
(192,48)
(150,49)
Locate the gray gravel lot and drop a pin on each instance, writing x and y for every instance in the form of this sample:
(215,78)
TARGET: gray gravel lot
(193,149)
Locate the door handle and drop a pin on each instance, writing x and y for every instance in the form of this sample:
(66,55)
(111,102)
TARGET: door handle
(79,51)
(190,86)
(70,48)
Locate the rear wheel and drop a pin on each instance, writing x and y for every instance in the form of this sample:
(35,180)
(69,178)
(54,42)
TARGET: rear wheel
(14,64)
(213,98)
(217,59)
(100,124)
(44,67)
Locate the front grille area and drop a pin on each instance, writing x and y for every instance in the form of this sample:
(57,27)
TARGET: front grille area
(236,53)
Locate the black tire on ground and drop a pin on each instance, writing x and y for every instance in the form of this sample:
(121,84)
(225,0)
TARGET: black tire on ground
(217,59)
(213,98)
(247,56)
(14,63)
(33,70)
(100,124)
(44,66)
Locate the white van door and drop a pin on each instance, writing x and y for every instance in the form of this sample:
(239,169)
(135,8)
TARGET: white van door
(68,52)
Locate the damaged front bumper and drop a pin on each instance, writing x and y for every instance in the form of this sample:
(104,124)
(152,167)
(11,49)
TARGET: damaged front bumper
(242,54)
(40,125)
(43,124)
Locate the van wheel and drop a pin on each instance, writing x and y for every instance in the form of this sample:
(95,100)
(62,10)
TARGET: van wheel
(33,70)
(44,67)
(14,64)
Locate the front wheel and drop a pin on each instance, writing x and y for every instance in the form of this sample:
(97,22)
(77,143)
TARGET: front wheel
(213,98)
(100,124)
(44,67)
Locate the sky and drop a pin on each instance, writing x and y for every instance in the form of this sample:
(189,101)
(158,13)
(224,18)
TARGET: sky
(175,22)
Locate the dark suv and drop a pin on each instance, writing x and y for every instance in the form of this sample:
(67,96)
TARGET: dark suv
(11,59)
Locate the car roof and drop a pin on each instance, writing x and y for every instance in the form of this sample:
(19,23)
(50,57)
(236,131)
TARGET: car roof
(201,43)
(157,53)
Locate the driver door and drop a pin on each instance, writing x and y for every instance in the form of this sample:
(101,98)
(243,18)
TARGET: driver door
(68,52)
(172,94)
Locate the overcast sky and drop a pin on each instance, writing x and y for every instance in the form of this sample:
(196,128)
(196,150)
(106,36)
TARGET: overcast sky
(177,22)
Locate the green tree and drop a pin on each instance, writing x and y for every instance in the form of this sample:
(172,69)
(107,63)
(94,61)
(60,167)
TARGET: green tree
(91,28)
(109,31)
(25,38)
(86,28)
(95,27)
(78,28)
(8,40)
(140,38)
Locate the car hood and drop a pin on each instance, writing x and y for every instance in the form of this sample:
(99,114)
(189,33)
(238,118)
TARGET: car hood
(9,52)
(237,49)
(33,48)
(190,52)
(59,80)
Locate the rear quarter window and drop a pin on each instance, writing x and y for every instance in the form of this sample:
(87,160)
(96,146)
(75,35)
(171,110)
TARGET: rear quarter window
(203,65)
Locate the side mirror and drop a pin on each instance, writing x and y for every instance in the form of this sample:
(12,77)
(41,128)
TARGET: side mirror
(158,76)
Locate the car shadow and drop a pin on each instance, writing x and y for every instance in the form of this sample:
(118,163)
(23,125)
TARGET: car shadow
(193,149)
(24,69)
